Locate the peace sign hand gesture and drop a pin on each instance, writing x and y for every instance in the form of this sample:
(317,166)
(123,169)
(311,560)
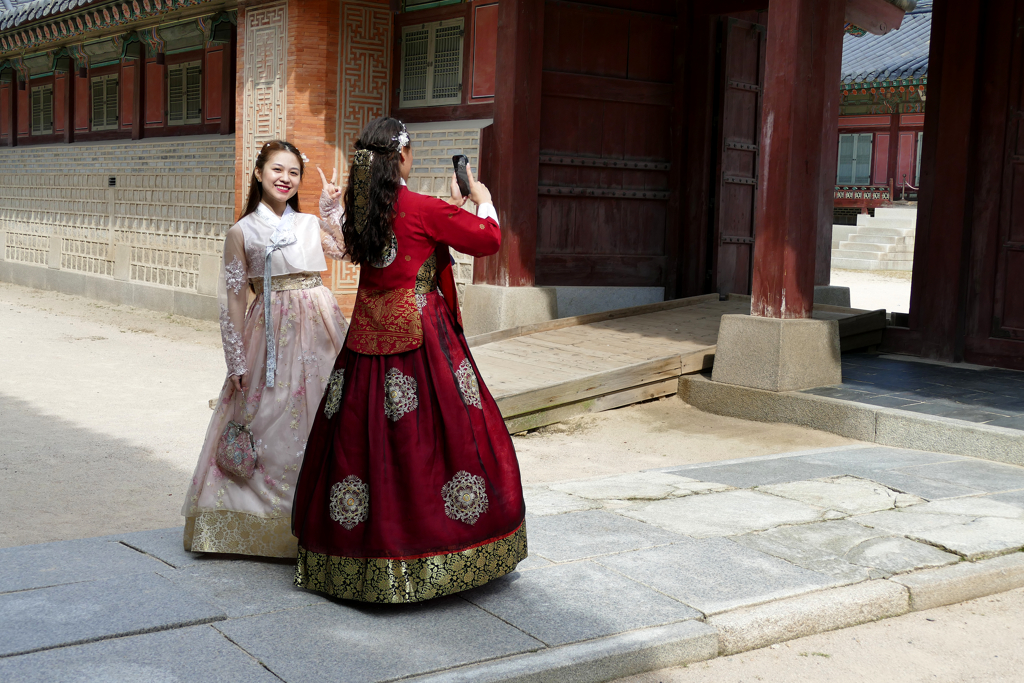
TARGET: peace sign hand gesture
(332,191)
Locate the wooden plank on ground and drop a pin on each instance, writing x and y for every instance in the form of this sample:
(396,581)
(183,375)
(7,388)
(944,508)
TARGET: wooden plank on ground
(590,386)
(522,423)
(559,323)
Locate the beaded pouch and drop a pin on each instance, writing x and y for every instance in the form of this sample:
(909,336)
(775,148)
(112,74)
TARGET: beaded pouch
(236,454)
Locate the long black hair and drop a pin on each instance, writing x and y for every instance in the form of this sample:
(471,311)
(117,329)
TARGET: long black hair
(256,187)
(367,245)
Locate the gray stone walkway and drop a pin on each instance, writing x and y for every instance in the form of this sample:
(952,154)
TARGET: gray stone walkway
(626,573)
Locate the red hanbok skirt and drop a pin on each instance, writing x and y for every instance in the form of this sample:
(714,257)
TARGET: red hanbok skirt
(410,486)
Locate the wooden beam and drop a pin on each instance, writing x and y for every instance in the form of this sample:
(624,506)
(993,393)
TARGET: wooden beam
(874,16)
(795,122)
(516,149)
(606,89)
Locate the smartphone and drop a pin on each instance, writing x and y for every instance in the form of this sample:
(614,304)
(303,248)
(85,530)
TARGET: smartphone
(460,161)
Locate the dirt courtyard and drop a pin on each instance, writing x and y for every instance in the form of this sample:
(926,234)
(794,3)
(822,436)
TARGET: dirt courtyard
(104,410)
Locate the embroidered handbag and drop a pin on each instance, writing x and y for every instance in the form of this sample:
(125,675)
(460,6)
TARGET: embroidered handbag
(236,454)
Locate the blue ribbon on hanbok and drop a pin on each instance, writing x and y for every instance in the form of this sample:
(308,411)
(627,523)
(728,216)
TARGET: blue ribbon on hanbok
(282,237)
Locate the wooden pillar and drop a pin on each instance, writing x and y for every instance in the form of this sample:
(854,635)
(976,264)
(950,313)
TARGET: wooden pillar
(139,97)
(894,152)
(516,151)
(69,103)
(800,83)
(829,163)
(227,102)
(12,115)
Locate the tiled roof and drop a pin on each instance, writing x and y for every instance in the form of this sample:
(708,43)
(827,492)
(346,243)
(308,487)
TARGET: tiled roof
(29,10)
(902,53)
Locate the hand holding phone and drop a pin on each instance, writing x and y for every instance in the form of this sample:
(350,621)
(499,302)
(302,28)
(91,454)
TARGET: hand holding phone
(460,162)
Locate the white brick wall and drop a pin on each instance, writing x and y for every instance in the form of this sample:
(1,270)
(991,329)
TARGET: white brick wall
(433,146)
(172,203)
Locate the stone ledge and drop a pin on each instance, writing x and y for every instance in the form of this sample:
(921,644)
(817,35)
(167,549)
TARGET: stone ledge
(963,581)
(885,426)
(163,299)
(603,659)
(751,628)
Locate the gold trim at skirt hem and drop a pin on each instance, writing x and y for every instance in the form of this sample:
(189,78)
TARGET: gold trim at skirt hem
(384,580)
(227,531)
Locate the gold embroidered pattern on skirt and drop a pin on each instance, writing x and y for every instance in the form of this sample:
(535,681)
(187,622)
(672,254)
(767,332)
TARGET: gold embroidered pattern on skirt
(399,394)
(469,387)
(384,322)
(226,531)
(350,501)
(426,276)
(285,283)
(335,386)
(465,497)
(384,580)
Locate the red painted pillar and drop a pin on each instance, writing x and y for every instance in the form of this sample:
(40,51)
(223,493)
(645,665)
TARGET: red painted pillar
(12,139)
(516,150)
(801,80)
(829,160)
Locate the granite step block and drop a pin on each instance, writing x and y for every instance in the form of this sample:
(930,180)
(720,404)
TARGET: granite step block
(360,643)
(197,653)
(574,602)
(53,564)
(76,613)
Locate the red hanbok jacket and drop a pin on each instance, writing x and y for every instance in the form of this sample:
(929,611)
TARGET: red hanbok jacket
(386,319)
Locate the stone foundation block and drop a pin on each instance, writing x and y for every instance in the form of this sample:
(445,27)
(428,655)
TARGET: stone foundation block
(3,244)
(573,301)
(776,354)
(832,295)
(209,274)
(123,262)
(487,308)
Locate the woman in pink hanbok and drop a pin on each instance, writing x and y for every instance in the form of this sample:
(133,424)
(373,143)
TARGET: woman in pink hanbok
(280,352)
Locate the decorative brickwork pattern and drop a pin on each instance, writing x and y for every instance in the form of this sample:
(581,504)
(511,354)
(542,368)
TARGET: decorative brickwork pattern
(265,76)
(170,204)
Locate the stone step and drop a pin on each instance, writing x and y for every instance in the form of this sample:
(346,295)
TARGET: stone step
(896,212)
(880,239)
(892,232)
(847,247)
(869,222)
(872,255)
(868,264)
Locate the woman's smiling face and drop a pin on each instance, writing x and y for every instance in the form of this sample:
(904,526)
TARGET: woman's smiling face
(280,176)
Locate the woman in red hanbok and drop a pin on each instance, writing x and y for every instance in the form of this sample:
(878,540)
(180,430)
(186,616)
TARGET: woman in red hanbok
(410,487)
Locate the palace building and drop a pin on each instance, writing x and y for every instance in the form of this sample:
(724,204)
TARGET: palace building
(638,150)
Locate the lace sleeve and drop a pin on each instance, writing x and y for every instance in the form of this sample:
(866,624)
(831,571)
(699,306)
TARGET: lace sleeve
(332,213)
(233,299)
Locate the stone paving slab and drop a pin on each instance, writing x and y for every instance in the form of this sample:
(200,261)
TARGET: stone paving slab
(637,486)
(82,612)
(761,472)
(725,514)
(356,644)
(576,601)
(52,564)
(542,501)
(163,544)
(921,486)
(578,535)
(991,477)
(846,550)
(243,589)
(849,495)
(1012,497)
(715,574)
(196,653)
(970,536)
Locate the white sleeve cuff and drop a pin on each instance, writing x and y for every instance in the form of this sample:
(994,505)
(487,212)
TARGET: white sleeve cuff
(487,210)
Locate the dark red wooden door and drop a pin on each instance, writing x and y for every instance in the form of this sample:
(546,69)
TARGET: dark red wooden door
(605,143)
(738,126)
(995,314)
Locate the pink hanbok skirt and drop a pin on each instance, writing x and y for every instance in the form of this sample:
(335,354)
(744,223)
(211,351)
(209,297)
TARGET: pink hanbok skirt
(228,514)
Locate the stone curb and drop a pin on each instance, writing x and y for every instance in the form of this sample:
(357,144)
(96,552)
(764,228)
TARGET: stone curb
(604,659)
(963,581)
(774,622)
(885,426)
